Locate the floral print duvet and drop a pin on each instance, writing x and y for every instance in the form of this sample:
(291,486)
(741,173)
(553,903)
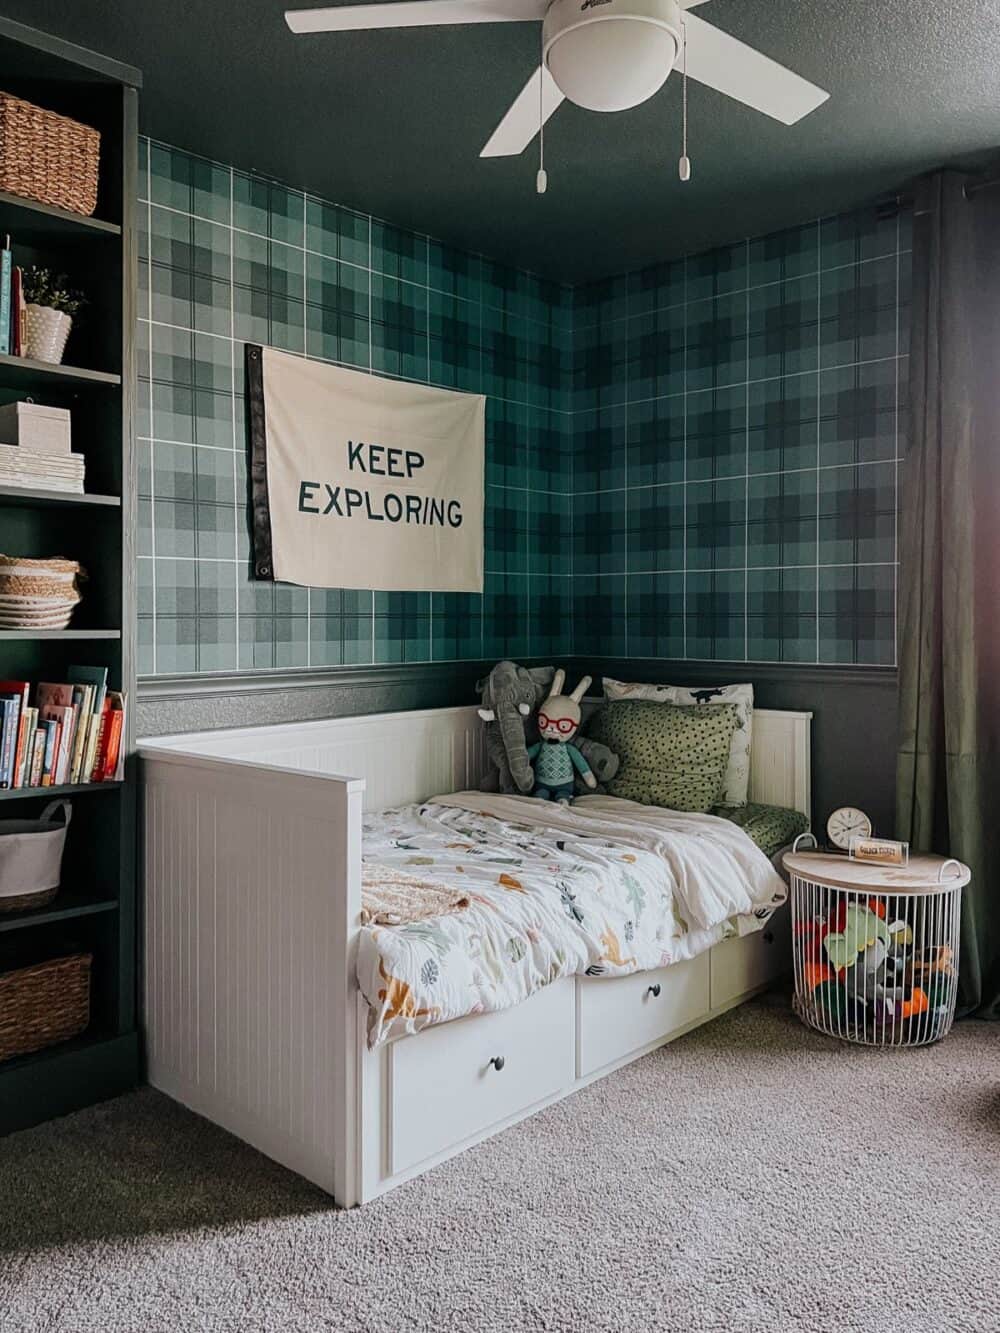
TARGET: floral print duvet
(604,888)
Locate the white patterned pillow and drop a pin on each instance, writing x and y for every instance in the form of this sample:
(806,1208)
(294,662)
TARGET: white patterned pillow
(737,779)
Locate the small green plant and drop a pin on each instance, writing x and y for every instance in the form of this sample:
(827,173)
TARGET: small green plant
(42,287)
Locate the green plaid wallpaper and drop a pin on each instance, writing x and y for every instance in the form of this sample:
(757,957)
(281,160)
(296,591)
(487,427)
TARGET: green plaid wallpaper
(738,425)
(698,460)
(228,258)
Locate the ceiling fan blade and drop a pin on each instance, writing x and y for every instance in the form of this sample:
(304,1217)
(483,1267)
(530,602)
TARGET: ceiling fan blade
(731,67)
(414,14)
(520,125)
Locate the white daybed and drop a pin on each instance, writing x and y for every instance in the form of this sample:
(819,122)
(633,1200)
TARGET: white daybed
(253,1016)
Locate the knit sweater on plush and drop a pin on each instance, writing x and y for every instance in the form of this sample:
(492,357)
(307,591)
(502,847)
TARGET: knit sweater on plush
(554,763)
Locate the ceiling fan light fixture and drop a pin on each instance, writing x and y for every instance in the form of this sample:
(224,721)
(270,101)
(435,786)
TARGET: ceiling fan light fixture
(609,55)
(604,55)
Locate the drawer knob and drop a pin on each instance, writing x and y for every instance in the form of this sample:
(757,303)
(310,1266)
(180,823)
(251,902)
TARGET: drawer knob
(654,990)
(498,1062)
(768,937)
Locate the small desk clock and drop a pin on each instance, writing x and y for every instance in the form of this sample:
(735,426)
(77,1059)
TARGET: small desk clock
(846,823)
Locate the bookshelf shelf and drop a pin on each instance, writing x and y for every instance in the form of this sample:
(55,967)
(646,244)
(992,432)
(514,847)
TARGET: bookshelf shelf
(62,789)
(26,635)
(96,910)
(41,224)
(20,372)
(67,905)
(62,1078)
(34,498)
(65,1052)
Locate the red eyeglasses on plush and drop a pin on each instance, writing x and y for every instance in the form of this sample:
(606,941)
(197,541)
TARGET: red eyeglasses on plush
(565,724)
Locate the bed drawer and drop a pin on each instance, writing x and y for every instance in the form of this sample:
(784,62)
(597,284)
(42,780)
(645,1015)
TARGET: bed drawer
(444,1088)
(620,1015)
(741,965)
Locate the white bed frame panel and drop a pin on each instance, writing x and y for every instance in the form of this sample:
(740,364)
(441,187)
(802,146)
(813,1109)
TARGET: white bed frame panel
(253,1017)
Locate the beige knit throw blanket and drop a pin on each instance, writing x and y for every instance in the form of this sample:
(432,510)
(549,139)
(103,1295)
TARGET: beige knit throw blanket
(391,897)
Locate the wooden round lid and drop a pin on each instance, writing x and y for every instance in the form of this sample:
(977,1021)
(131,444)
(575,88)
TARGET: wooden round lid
(921,875)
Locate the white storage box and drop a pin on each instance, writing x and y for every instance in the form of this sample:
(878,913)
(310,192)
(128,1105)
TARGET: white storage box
(45,430)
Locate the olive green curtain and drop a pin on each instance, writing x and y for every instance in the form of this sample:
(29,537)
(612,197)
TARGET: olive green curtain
(948,776)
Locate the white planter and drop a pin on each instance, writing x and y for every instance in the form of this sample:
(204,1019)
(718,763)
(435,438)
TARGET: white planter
(45,333)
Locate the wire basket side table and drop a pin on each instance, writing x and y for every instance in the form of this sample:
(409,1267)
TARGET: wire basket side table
(875,948)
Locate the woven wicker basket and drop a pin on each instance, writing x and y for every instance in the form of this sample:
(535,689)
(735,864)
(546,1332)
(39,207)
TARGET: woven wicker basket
(48,157)
(43,1004)
(38,594)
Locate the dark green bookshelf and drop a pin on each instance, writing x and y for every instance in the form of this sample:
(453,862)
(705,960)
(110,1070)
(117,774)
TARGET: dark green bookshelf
(95,907)
(66,1077)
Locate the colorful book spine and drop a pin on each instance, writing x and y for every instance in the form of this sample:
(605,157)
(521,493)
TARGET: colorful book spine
(51,751)
(97,677)
(63,716)
(10,708)
(6,276)
(21,749)
(94,726)
(112,743)
(107,764)
(100,729)
(119,773)
(69,744)
(37,756)
(83,698)
(19,689)
(28,728)
(17,312)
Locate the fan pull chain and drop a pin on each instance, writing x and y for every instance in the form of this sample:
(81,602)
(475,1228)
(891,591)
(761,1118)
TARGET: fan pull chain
(541,180)
(684,165)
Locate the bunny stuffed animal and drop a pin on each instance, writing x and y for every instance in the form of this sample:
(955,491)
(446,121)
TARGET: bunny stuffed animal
(555,757)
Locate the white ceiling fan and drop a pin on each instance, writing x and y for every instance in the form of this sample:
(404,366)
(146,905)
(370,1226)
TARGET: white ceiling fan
(604,55)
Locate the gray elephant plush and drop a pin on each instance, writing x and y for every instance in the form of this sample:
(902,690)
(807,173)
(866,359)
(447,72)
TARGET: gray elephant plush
(511,695)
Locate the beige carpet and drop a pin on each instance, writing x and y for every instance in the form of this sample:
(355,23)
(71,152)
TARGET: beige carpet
(752,1177)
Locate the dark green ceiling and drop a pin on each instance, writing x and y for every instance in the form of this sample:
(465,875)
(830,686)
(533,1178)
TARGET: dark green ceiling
(392,122)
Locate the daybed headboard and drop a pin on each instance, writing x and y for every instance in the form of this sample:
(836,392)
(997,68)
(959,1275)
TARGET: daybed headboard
(781,760)
(410,756)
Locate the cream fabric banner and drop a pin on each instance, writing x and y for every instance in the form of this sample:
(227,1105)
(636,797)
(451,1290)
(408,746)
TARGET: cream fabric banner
(363,482)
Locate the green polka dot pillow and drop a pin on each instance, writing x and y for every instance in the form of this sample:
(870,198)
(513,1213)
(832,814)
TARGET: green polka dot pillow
(670,755)
(738,770)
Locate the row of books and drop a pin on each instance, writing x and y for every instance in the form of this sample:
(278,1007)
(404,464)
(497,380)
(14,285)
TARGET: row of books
(69,732)
(12,303)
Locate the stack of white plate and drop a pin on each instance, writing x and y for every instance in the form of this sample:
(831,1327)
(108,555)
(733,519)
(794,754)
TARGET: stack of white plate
(37,594)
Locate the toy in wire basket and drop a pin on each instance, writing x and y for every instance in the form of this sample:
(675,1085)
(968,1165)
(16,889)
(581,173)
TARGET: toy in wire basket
(38,594)
(875,946)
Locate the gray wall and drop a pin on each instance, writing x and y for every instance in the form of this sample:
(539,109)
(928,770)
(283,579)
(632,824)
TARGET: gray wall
(208,703)
(853,728)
